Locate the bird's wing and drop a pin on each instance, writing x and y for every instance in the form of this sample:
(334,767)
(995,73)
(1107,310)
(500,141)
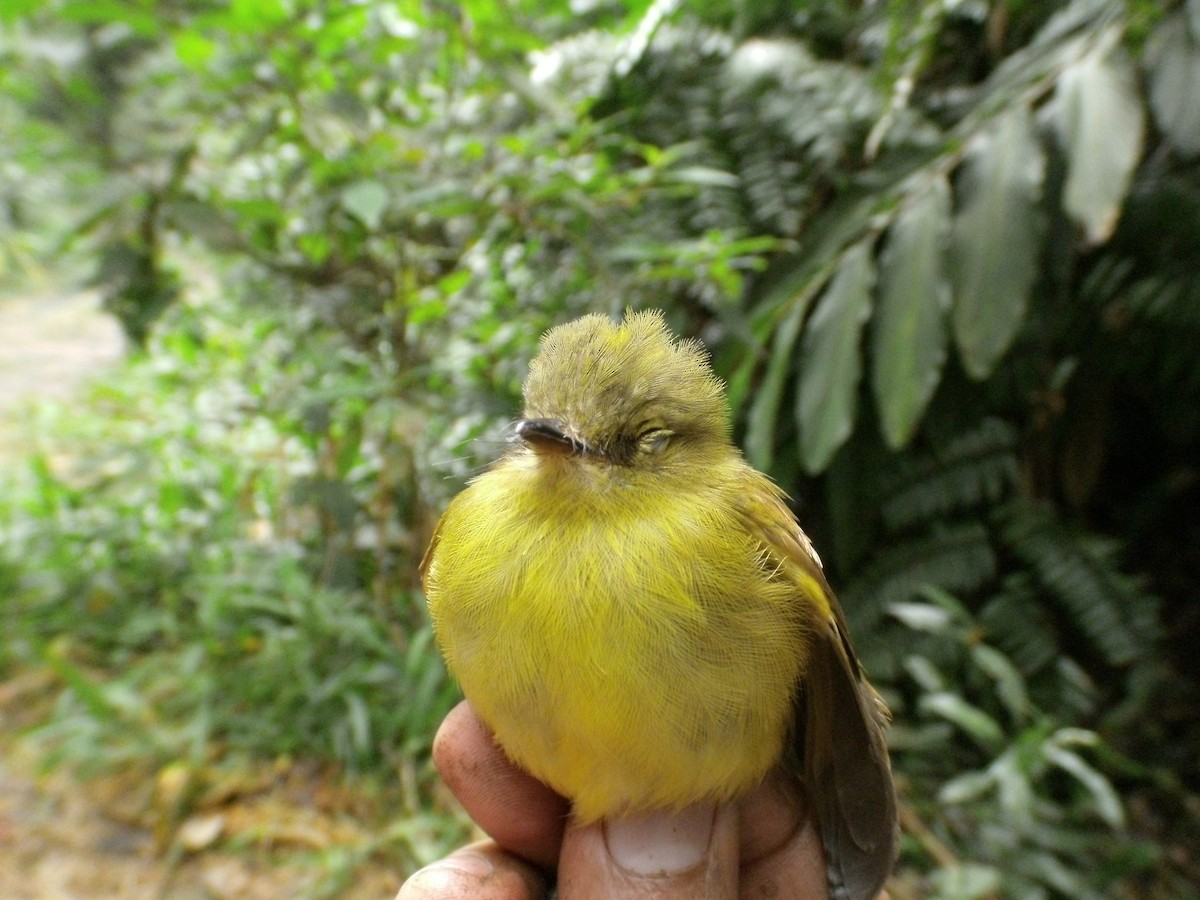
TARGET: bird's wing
(423,566)
(840,719)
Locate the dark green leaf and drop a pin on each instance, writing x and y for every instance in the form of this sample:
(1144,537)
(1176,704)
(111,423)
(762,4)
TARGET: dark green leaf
(962,472)
(995,239)
(830,362)
(760,431)
(908,330)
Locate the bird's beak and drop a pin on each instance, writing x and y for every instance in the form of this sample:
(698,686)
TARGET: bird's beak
(550,437)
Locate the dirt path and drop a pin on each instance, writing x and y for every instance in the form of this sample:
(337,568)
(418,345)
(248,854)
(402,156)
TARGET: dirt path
(63,839)
(50,343)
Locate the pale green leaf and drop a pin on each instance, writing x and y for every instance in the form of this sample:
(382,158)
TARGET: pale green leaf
(908,329)
(1075,737)
(924,673)
(703,176)
(366,201)
(966,788)
(995,239)
(1101,127)
(968,717)
(1010,686)
(965,881)
(830,362)
(1015,792)
(943,599)
(1174,56)
(922,616)
(1108,804)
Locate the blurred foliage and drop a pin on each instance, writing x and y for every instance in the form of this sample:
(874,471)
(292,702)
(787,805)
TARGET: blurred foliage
(214,558)
(944,254)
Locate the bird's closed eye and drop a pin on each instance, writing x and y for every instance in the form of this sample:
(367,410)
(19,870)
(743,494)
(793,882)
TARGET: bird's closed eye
(654,440)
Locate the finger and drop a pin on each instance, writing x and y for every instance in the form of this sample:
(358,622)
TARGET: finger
(770,816)
(690,854)
(480,871)
(492,789)
(782,856)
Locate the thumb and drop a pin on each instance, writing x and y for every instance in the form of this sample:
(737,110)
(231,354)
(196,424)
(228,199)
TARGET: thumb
(692,853)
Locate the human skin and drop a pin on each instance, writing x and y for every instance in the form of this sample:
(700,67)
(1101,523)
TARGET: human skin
(762,846)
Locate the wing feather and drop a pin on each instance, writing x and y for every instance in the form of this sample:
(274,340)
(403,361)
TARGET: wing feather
(840,719)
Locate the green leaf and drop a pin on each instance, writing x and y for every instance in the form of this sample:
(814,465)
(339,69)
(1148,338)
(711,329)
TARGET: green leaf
(922,616)
(1010,686)
(1101,127)
(925,674)
(1012,783)
(760,431)
(256,16)
(1099,785)
(908,330)
(110,12)
(1174,56)
(11,10)
(702,176)
(193,50)
(366,201)
(966,788)
(830,363)
(968,717)
(995,239)
(1108,804)
(966,881)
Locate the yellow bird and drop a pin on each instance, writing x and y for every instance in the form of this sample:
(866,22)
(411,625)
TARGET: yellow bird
(635,612)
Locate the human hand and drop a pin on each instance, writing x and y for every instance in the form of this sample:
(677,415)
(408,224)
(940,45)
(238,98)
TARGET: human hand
(763,845)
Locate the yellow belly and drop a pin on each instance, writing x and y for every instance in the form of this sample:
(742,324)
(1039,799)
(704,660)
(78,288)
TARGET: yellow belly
(633,652)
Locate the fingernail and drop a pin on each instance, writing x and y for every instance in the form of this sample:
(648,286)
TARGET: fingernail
(664,843)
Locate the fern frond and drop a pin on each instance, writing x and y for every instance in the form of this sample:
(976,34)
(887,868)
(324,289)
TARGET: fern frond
(1015,622)
(1119,619)
(672,98)
(1161,329)
(958,558)
(977,467)
(776,193)
(791,121)
(672,95)
(822,109)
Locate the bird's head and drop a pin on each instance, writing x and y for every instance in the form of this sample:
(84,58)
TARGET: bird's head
(623,395)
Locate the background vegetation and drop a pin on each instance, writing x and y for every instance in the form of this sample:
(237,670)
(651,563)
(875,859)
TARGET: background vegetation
(944,253)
